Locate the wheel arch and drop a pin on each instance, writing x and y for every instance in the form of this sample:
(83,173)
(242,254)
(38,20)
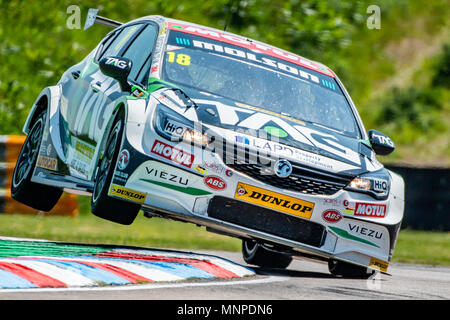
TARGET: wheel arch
(121,107)
(41,103)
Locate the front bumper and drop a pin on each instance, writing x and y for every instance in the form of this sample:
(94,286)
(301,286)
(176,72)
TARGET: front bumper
(179,190)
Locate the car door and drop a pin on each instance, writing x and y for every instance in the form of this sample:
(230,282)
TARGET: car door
(88,98)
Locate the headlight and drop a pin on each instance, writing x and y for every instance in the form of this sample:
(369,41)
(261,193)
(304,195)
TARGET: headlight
(176,128)
(376,184)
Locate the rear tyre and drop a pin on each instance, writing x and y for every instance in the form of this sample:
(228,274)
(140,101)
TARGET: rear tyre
(348,270)
(102,205)
(38,196)
(255,253)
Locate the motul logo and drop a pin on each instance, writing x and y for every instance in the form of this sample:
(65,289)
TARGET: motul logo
(370,210)
(173,154)
(215,183)
(331,216)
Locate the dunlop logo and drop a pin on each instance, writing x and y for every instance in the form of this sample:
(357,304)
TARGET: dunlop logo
(378,265)
(127,193)
(273,200)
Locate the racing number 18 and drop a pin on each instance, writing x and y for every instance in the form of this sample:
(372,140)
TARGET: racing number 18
(181,58)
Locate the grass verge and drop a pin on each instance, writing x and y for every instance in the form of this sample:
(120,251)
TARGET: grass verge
(419,247)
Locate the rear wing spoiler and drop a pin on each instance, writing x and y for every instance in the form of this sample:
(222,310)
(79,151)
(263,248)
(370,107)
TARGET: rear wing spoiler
(92,18)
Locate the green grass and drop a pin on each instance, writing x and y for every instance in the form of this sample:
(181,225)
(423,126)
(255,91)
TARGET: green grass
(419,247)
(87,228)
(423,247)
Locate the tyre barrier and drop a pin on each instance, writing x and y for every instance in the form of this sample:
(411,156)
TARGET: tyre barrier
(10,147)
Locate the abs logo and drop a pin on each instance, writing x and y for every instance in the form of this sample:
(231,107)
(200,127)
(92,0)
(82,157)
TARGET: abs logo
(331,216)
(215,182)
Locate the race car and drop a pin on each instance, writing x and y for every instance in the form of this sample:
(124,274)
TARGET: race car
(200,125)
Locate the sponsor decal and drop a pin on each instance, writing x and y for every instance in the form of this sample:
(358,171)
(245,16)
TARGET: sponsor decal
(284,150)
(345,234)
(171,153)
(165,175)
(78,167)
(124,159)
(169,177)
(188,190)
(127,193)
(174,128)
(331,216)
(378,264)
(383,140)
(200,170)
(365,231)
(122,175)
(122,64)
(252,45)
(215,182)
(49,149)
(276,132)
(273,200)
(47,163)
(83,149)
(217,168)
(380,185)
(332,202)
(370,210)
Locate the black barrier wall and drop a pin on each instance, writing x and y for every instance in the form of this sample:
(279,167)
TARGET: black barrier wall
(427,197)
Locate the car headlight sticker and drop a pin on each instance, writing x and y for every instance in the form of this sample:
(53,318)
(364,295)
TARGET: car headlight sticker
(175,128)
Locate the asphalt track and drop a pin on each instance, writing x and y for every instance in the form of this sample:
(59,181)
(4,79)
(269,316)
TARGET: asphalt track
(303,280)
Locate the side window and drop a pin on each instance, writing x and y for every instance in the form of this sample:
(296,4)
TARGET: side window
(140,52)
(106,43)
(114,46)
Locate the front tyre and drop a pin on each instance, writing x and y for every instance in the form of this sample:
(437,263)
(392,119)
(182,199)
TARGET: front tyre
(255,253)
(102,205)
(38,196)
(348,270)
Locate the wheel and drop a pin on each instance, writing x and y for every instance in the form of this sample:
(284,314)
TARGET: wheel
(348,270)
(35,195)
(102,205)
(255,253)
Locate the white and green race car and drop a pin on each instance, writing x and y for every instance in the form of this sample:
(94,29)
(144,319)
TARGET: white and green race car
(196,124)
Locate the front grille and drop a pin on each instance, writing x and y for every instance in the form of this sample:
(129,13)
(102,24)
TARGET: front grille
(266,220)
(302,179)
(298,181)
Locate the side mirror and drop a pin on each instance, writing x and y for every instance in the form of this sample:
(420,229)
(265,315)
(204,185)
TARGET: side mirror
(118,68)
(381,143)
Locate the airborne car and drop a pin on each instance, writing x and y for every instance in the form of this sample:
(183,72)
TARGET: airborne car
(204,126)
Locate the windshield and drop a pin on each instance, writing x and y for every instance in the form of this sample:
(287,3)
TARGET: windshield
(258,80)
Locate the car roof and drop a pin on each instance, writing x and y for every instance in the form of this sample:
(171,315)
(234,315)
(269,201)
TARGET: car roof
(235,39)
